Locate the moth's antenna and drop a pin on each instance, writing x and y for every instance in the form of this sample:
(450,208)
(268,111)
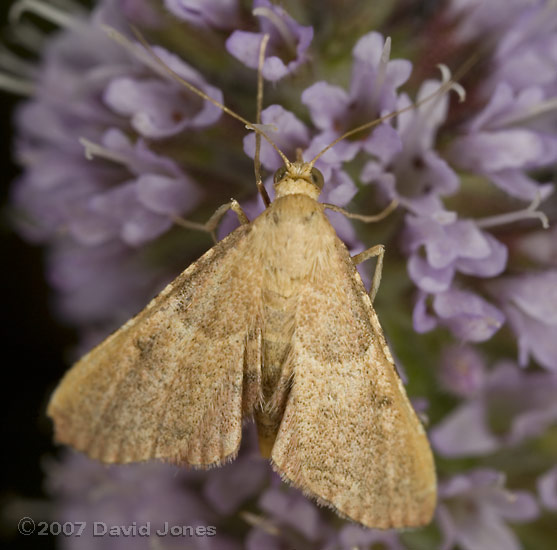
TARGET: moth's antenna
(122,39)
(448,84)
(256,158)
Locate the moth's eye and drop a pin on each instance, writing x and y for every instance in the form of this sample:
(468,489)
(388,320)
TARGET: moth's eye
(317,178)
(279,174)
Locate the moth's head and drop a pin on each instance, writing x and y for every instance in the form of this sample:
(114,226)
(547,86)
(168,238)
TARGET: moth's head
(298,178)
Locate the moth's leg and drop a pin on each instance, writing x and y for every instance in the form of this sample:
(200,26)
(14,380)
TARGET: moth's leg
(211,224)
(379,251)
(367,219)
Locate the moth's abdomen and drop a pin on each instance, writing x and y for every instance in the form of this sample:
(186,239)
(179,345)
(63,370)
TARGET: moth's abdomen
(278,329)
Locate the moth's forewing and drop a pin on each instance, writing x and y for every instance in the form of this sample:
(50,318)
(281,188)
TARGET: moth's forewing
(349,436)
(170,383)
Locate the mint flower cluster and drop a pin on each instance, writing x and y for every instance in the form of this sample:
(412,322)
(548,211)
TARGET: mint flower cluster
(114,150)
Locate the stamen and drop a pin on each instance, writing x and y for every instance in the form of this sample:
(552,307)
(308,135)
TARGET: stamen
(18,86)
(511,217)
(46,11)
(452,85)
(445,86)
(14,64)
(260,522)
(26,35)
(70,5)
(94,150)
(279,24)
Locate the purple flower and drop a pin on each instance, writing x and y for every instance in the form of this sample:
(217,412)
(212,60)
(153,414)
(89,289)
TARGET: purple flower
(512,406)
(466,314)
(61,191)
(286,131)
(138,12)
(372,93)
(287,47)
(440,249)
(439,245)
(141,12)
(547,489)
(90,282)
(448,248)
(354,536)
(530,303)
(218,14)
(290,134)
(128,194)
(229,487)
(410,169)
(521,56)
(495,146)
(154,493)
(289,508)
(146,191)
(46,194)
(462,370)
(160,107)
(290,520)
(475,507)
(539,246)
(77,65)
(477,19)
(141,207)
(265,537)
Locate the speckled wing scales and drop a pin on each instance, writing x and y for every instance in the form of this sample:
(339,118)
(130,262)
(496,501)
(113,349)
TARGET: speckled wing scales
(349,436)
(170,383)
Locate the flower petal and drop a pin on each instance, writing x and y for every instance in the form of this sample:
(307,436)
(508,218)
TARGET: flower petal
(167,196)
(491,265)
(464,433)
(468,315)
(422,320)
(547,489)
(495,151)
(326,103)
(427,278)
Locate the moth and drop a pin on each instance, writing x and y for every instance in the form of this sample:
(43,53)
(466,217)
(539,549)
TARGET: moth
(272,323)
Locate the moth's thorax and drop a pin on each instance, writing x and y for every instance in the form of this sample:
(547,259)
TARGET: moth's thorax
(293,239)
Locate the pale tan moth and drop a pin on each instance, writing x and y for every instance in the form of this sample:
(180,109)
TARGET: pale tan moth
(273,323)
